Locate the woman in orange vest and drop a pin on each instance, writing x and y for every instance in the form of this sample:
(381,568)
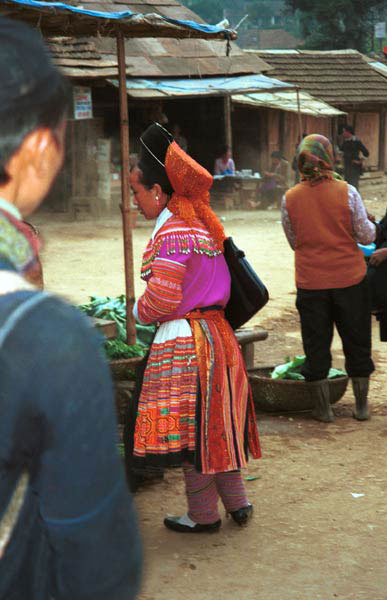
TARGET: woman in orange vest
(323,219)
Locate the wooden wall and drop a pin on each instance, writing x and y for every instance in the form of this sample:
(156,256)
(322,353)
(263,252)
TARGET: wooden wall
(367,126)
(257,132)
(248,137)
(76,188)
(310,124)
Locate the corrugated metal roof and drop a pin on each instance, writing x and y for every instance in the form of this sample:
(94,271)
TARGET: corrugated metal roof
(339,77)
(287,100)
(207,86)
(156,57)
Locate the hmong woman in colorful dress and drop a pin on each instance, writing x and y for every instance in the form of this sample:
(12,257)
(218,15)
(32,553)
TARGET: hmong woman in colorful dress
(194,409)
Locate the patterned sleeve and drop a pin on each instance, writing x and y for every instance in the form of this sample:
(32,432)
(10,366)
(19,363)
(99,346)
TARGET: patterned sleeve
(364,230)
(286,224)
(164,292)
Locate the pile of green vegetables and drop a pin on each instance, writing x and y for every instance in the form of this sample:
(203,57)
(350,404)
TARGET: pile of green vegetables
(292,367)
(114,309)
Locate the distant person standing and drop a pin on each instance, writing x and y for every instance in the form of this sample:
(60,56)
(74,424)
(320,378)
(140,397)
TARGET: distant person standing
(179,137)
(276,180)
(224,165)
(351,148)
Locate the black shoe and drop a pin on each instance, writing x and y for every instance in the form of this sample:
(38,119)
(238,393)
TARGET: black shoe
(242,515)
(173,523)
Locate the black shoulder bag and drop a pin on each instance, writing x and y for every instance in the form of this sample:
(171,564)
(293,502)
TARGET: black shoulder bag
(248,292)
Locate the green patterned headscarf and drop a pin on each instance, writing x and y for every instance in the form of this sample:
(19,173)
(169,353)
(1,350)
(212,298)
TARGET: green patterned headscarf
(315,159)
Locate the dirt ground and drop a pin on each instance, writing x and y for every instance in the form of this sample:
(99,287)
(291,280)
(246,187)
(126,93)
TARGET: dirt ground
(319,530)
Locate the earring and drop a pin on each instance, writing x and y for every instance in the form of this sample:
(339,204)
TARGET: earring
(157,201)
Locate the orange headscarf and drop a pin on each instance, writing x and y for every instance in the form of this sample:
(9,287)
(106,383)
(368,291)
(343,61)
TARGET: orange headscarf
(191,184)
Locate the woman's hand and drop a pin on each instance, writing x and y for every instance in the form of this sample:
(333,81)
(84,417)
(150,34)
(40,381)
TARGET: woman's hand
(378,257)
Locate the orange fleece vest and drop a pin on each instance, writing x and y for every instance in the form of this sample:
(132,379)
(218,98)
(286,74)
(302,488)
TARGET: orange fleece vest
(326,254)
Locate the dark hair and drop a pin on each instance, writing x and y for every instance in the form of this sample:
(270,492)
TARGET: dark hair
(224,149)
(15,125)
(151,174)
(33,92)
(349,128)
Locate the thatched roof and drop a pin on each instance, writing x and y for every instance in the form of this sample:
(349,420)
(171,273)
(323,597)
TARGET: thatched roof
(156,56)
(339,77)
(106,17)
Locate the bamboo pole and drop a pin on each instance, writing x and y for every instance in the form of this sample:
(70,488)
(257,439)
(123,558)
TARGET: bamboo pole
(125,204)
(299,114)
(227,121)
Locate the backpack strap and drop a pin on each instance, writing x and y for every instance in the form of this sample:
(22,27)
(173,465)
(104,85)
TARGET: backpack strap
(9,519)
(18,313)
(13,282)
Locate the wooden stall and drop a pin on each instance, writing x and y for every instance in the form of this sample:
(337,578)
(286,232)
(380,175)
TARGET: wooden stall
(346,80)
(275,121)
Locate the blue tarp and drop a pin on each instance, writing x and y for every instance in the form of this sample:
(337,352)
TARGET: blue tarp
(118,16)
(205,86)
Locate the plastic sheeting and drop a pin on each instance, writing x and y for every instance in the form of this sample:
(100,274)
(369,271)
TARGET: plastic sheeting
(207,86)
(287,100)
(127,18)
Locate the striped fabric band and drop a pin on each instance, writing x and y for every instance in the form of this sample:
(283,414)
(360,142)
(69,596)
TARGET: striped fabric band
(164,291)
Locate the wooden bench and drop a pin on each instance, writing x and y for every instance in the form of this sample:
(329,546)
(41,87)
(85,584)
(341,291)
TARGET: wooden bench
(106,327)
(246,339)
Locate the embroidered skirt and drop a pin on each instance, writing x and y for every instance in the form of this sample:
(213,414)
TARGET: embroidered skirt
(192,406)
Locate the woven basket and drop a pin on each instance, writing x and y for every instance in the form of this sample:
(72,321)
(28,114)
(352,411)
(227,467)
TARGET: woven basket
(286,395)
(120,368)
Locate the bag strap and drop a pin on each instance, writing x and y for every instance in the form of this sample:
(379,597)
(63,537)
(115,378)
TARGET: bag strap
(12,282)
(18,313)
(12,512)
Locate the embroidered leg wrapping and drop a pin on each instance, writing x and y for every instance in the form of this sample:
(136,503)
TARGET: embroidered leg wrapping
(202,496)
(231,489)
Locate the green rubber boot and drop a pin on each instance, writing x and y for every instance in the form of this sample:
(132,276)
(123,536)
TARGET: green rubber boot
(321,397)
(360,391)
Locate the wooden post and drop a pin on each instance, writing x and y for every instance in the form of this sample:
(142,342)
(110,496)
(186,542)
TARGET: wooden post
(73,169)
(281,136)
(299,114)
(227,121)
(382,139)
(125,205)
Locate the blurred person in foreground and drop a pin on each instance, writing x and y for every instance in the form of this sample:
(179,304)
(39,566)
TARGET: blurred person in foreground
(323,219)
(194,409)
(67,526)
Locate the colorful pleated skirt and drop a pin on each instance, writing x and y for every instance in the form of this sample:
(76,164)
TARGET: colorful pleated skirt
(194,405)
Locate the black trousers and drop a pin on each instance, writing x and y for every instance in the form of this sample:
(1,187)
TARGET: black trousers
(352,175)
(350,310)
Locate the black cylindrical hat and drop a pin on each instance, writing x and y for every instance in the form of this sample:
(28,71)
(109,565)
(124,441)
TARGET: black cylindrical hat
(155,142)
